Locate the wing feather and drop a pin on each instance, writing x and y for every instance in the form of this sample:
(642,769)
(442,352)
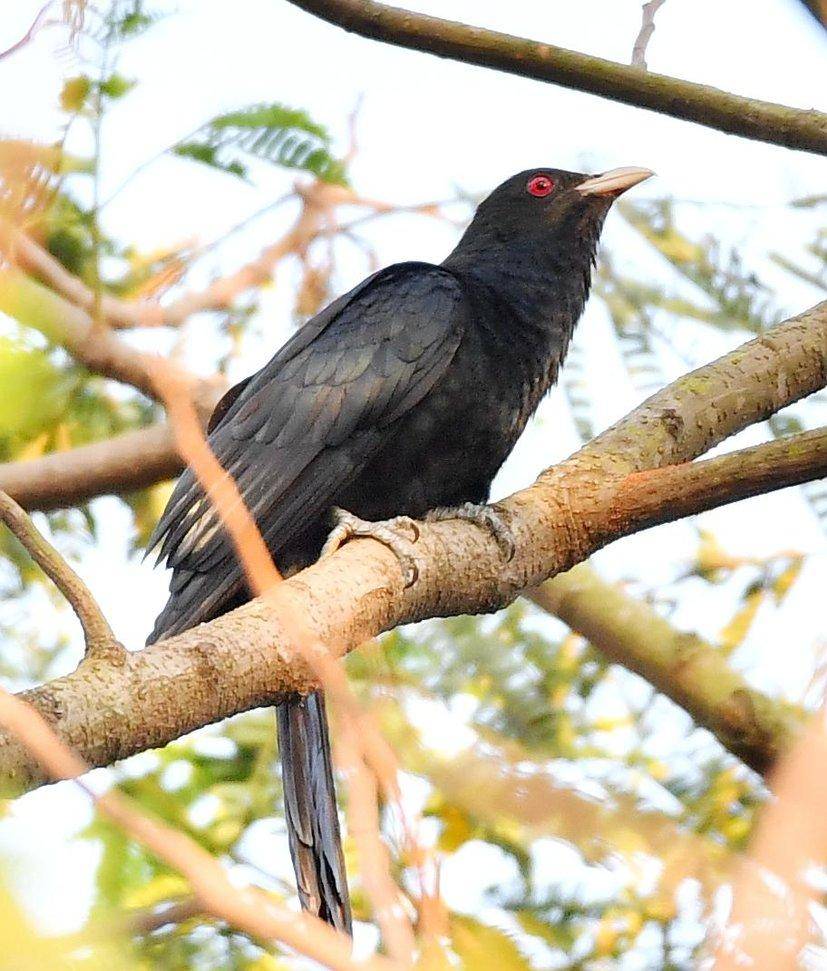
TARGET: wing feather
(297,432)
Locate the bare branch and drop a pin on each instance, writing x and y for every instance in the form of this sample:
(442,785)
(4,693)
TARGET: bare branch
(143,922)
(100,641)
(700,103)
(647,28)
(124,463)
(319,201)
(682,490)
(683,666)
(818,8)
(250,658)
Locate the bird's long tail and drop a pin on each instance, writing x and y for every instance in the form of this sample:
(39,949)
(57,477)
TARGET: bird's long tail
(310,809)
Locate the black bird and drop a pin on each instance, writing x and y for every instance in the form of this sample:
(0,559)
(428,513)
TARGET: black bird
(402,397)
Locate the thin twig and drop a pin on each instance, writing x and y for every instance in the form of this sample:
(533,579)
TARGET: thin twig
(647,28)
(100,641)
(143,922)
(38,22)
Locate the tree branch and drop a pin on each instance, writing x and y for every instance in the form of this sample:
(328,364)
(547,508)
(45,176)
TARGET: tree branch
(700,103)
(247,658)
(91,343)
(684,667)
(319,201)
(676,491)
(100,641)
(647,28)
(124,463)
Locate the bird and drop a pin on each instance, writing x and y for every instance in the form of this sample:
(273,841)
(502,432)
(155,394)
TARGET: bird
(398,402)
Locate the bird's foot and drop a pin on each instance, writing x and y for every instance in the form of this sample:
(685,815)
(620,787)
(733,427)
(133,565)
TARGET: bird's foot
(389,532)
(486,517)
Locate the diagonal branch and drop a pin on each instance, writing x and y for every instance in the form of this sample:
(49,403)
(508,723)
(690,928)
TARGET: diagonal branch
(100,641)
(90,342)
(700,103)
(683,666)
(247,658)
(319,202)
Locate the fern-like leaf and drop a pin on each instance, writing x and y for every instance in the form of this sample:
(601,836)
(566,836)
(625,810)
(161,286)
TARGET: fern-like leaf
(287,137)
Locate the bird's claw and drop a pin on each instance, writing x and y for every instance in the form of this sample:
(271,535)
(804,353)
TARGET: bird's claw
(486,517)
(387,532)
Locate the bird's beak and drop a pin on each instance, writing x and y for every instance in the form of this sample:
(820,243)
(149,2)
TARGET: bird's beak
(613,183)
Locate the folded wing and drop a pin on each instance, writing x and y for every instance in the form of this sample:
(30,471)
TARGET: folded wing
(297,432)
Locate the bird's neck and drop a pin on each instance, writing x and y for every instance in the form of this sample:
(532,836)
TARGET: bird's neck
(531,295)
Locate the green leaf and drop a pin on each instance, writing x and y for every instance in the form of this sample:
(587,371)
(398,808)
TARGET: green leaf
(271,132)
(34,392)
(116,86)
(134,21)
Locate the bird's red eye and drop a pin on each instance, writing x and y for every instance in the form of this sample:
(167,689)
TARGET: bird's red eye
(540,185)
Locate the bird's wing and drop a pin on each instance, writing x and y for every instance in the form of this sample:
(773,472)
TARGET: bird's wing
(303,427)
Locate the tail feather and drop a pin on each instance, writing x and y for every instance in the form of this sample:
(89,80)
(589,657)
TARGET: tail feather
(310,809)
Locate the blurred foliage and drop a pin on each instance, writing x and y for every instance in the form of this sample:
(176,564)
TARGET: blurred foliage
(527,749)
(271,132)
(26,949)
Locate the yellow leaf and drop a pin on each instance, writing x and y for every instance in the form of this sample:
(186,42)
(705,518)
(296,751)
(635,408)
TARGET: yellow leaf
(75,92)
(606,938)
(265,962)
(456,828)
(33,449)
(485,948)
(784,582)
(711,556)
(163,887)
(737,629)
(661,909)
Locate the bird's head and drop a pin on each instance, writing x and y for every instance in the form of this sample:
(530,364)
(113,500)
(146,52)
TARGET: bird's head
(552,202)
(545,214)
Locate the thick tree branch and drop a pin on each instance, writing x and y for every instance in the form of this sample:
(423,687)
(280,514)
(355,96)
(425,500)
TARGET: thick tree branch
(247,658)
(124,463)
(676,491)
(700,103)
(689,670)
(100,641)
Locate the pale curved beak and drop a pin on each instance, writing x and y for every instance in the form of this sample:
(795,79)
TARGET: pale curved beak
(613,183)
